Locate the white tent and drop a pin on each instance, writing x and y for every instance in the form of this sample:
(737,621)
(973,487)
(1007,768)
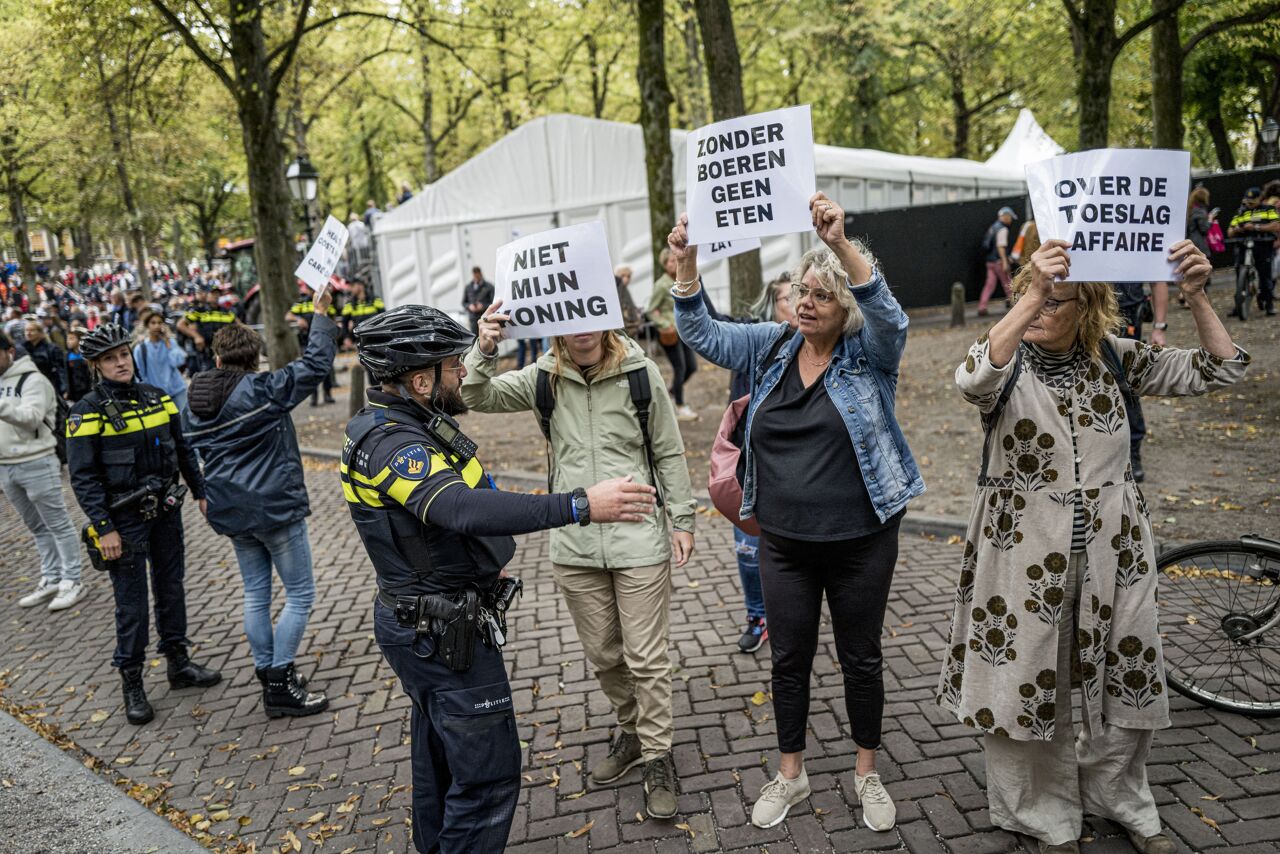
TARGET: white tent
(563,169)
(1026,143)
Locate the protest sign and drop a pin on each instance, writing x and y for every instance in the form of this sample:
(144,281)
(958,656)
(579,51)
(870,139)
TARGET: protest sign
(1119,209)
(322,260)
(726,249)
(750,177)
(558,282)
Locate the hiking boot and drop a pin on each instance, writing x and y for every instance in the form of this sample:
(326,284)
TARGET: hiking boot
(136,708)
(878,811)
(1063,848)
(185,673)
(624,754)
(283,695)
(777,798)
(660,787)
(755,635)
(1158,844)
(261,673)
(69,593)
(44,591)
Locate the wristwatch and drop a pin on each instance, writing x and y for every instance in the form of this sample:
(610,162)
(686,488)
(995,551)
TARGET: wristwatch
(1160,326)
(582,507)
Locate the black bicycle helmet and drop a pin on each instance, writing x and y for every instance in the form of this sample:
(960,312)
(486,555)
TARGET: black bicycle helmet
(104,338)
(409,337)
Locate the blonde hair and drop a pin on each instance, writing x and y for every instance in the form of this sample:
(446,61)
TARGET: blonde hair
(1097,307)
(829,272)
(613,351)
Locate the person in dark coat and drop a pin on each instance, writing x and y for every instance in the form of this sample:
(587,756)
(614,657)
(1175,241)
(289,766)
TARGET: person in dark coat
(238,420)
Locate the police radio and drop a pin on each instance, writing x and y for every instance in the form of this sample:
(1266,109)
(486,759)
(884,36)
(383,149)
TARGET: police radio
(445,430)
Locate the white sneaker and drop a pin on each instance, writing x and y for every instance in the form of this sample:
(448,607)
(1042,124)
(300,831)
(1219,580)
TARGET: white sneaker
(44,591)
(777,798)
(684,413)
(69,593)
(878,810)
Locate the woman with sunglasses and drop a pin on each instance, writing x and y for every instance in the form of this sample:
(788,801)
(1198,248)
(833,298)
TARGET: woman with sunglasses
(1058,581)
(828,475)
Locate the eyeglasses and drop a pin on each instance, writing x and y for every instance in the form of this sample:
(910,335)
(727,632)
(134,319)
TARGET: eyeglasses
(1052,305)
(821,296)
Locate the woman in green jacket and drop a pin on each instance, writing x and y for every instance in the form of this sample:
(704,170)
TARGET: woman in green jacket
(616,579)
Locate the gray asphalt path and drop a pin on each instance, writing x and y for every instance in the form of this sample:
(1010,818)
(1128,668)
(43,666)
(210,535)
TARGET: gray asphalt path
(51,804)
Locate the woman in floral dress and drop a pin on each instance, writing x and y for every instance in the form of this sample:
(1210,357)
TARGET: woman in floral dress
(1058,584)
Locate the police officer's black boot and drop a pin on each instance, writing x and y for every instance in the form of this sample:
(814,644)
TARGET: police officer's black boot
(185,673)
(136,708)
(282,695)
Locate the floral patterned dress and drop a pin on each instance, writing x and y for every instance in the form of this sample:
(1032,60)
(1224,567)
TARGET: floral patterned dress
(1050,448)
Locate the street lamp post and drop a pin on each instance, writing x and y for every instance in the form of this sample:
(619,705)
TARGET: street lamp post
(1269,133)
(303,181)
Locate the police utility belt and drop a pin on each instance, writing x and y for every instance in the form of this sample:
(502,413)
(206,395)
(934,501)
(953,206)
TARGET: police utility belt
(454,619)
(147,501)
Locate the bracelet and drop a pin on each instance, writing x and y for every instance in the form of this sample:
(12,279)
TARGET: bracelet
(684,288)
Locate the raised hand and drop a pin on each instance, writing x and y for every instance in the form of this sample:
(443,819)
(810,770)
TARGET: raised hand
(490,329)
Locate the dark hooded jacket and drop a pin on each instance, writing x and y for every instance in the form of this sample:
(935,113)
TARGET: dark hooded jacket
(239,424)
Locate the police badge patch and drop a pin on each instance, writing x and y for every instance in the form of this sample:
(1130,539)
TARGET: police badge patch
(73,424)
(411,463)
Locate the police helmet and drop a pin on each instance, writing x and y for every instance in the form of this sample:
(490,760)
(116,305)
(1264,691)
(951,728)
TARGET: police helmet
(408,338)
(104,338)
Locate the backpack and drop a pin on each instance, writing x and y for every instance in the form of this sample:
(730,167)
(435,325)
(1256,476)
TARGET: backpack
(59,426)
(728,462)
(1110,359)
(641,398)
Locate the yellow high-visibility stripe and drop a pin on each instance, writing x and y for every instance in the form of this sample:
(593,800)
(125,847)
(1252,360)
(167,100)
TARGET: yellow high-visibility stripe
(402,489)
(369,496)
(472,472)
(135,421)
(349,493)
(375,481)
(168,404)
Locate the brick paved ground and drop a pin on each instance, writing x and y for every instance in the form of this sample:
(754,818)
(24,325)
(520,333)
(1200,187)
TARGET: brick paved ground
(341,778)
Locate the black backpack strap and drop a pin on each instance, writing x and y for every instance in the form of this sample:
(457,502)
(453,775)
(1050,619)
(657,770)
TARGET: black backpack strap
(989,419)
(545,402)
(17,390)
(642,397)
(1111,359)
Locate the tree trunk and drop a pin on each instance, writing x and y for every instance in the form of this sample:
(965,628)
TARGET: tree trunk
(1095,44)
(960,115)
(126,188)
(1218,133)
(179,253)
(724,69)
(655,122)
(1166,77)
(268,193)
(17,202)
(430,165)
(697,79)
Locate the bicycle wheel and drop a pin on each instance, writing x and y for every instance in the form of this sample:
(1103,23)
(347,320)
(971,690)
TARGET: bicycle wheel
(1242,292)
(1220,623)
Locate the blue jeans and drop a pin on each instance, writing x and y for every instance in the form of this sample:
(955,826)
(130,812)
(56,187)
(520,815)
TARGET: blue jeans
(748,551)
(290,551)
(527,351)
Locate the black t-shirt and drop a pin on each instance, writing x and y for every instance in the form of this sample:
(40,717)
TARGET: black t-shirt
(808,482)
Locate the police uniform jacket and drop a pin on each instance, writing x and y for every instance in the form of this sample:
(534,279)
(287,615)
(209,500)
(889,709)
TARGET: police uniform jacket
(392,470)
(107,461)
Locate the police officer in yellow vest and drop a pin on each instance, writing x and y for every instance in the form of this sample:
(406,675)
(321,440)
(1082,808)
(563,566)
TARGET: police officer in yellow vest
(358,307)
(125,450)
(301,312)
(439,534)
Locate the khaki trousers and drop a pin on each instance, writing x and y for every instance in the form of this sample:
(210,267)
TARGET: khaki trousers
(1043,788)
(622,620)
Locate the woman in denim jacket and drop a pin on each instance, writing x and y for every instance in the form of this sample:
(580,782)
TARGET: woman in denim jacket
(828,475)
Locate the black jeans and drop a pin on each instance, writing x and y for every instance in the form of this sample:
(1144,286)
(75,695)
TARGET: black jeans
(1137,421)
(683,363)
(855,575)
(158,542)
(464,748)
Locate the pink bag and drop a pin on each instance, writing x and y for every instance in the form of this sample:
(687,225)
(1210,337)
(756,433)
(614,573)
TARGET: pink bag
(1214,238)
(723,484)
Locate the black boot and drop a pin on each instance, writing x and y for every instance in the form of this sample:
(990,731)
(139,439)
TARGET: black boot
(283,695)
(136,708)
(185,673)
(261,673)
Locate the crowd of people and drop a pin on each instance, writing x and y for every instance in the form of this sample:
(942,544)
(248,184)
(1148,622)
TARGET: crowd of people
(824,475)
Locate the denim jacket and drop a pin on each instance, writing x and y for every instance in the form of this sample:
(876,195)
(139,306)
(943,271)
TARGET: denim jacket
(862,381)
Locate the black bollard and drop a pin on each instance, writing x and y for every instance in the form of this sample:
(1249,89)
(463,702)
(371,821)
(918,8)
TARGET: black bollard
(356,391)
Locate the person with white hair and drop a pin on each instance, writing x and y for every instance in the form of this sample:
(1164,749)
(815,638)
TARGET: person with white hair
(828,475)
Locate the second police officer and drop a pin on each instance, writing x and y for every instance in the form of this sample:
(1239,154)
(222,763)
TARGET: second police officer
(125,450)
(439,535)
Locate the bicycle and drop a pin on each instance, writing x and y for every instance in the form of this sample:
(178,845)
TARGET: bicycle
(1219,609)
(1247,274)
